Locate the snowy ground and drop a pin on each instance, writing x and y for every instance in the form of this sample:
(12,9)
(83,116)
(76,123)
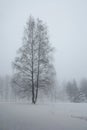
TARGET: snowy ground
(60,116)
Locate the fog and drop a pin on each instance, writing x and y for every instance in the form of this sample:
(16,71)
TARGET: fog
(62,103)
(67,23)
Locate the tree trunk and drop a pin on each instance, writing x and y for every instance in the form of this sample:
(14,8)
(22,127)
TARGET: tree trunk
(38,73)
(33,101)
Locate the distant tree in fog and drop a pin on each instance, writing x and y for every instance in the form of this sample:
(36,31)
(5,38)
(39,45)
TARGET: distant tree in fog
(33,68)
(5,88)
(83,87)
(1,88)
(72,91)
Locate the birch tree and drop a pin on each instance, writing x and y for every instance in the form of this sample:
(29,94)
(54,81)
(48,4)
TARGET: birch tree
(33,68)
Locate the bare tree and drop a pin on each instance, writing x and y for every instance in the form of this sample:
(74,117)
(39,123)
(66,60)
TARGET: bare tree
(33,65)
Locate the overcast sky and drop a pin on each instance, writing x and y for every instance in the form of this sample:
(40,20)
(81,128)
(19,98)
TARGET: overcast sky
(67,24)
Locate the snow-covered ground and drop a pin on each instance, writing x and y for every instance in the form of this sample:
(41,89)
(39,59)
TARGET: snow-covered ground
(60,116)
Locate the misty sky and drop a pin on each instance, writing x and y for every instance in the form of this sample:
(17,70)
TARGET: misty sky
(67,24)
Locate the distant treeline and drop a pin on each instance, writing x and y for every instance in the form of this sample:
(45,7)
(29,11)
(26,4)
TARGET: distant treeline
(77,93)
(70,91)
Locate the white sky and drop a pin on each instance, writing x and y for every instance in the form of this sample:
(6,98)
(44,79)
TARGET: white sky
(67,24)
